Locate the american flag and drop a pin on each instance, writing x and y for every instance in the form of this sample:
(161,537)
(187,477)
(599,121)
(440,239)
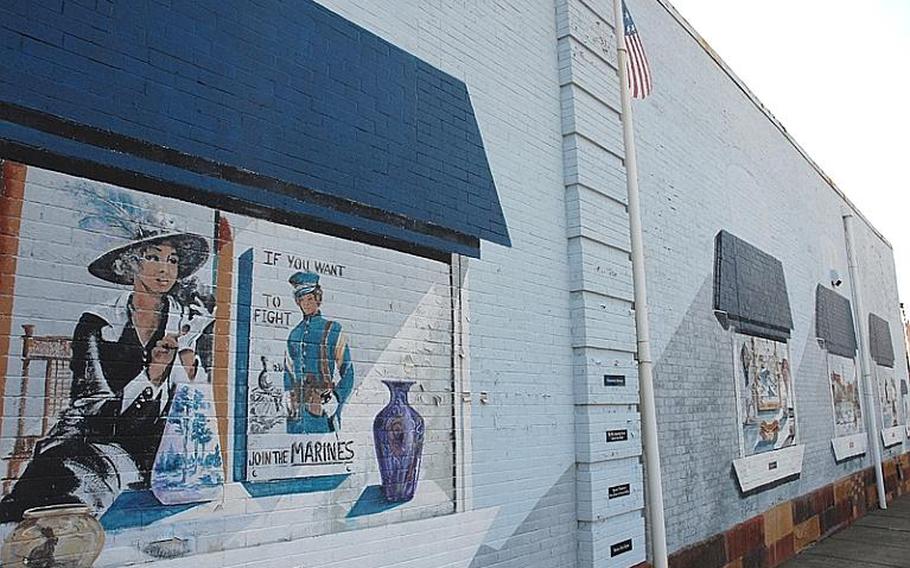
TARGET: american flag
(636,63)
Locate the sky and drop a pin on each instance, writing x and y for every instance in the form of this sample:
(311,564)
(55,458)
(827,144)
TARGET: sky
(836,74)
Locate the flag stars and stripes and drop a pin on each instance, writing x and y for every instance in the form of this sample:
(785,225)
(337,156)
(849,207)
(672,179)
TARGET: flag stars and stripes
(637,68)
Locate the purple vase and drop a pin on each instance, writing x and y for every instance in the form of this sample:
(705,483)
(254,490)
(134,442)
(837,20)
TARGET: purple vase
(398,432)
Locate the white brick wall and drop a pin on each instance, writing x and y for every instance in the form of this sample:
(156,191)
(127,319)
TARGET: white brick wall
(520,341)
(548,318)
(711,160)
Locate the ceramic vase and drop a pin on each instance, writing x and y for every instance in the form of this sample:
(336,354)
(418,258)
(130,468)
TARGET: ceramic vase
(55,535)
(398,432)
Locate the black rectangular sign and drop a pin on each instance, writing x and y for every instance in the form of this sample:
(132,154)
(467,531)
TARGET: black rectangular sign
(614,380)
(620,547)
(617,435)
(619,491)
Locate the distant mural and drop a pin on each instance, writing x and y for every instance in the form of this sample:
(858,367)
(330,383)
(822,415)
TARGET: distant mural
(173,354)
(848,416)
(890,397)
(766,395)
(751,302)
(905,396)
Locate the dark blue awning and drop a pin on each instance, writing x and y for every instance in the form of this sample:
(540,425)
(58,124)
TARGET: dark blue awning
(275,106)
(880,345)
(834,322)
(749,287)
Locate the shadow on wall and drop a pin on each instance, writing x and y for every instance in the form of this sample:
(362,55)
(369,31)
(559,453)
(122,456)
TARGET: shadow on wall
(698,439)
(557,502)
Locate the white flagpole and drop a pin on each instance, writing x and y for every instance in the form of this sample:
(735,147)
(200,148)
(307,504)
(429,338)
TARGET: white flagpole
(648,408)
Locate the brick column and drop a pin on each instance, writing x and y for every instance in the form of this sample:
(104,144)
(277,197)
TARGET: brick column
(609,479)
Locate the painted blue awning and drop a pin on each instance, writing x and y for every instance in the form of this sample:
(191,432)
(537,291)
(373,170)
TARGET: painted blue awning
(881,348)
(834,322)
(750,288)
(283,109)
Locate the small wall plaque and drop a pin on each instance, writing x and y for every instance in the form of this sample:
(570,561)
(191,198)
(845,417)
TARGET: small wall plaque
(620,547)
(768,467)
(623,490)
(617,435)
(614,380)
(849,446)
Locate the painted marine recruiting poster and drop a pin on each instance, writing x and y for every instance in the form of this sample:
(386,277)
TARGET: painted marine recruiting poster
(343,372)
(300,369)
(762,370)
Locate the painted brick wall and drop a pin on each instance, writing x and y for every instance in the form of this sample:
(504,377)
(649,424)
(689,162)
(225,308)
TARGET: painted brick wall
(732,169)
(518,445)
(543,317)
(520,349)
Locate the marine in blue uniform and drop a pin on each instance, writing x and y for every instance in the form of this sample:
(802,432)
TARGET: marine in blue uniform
(316,349)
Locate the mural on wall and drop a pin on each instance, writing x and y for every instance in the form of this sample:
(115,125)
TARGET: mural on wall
(905,396)
(892,392)
(345,362)
(328,388)
(835,331)
(768,419)
(134,358)
(889,395)
(751,302)
(892,405)
(848,415)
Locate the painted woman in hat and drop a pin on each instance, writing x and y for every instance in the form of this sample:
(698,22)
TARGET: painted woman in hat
(127,357)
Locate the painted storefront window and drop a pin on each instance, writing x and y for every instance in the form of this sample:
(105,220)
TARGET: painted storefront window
(905,397)
(768,419)
(848,415)
(172,366)
(890,398)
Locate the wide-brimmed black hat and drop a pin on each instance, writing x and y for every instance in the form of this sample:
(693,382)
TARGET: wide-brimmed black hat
(192,252)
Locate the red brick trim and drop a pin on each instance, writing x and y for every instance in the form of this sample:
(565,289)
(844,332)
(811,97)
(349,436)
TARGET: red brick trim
(12,192)
(775,536)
